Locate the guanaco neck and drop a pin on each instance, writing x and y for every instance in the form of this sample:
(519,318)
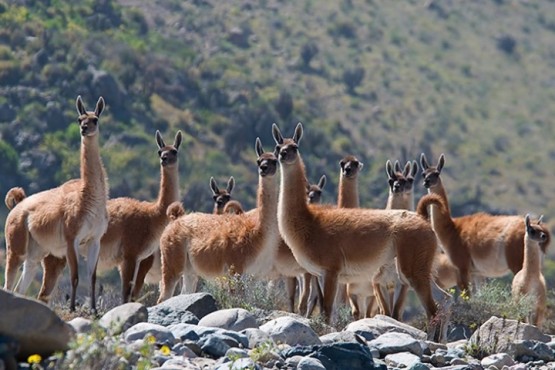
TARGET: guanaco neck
(267,202)
(169,187)
(400,200)
(93,176)
(532,264)
(293,210)
(348,192)
(436,216)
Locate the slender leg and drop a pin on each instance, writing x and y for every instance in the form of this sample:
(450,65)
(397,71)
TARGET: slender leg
(353,301)
(92,262)
(305,279)
(72,246)
(144,267)
(127,272)
(291,287)
(52,269)
(330,290)
(399,305)
(12,265)
(27,276)
(381,298)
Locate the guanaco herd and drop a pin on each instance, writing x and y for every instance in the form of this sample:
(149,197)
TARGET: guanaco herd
(368,257)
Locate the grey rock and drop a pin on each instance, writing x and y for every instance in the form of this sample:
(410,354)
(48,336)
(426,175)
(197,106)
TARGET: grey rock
(419,366)
(309,363)
(81,325)
(380,324)
(181,349)
(236,353)
(231,319)
(517,367)
(293,361)
(180,308)
(458,332)
(291,331)
(214,346)
(122,317)
(402,359)
(342,336)
(255,337)
(532,350)
(498,361)
(239,364)
(141,330)
(33,325)
(438,359)
(389,343)
(497,335)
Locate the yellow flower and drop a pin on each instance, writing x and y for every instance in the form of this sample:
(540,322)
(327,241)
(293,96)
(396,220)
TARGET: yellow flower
(151,339)
(34,359)
(165,350)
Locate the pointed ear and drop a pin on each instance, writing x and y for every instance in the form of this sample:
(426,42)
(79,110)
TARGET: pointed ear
(397,166)
(298,133)
(322,182)
(389,169)
(258,147)
(159,140)
(527,220)
(407,169)
(99,107)
(414,169)
(80,106)
(178,139)
(214,186)
(230,184)
(360,165)
(276,133)
(424,162)
(441,162)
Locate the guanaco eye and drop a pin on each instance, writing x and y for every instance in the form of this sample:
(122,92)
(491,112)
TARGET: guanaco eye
(173,151)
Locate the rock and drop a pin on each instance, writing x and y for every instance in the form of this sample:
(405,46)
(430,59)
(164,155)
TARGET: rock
(342,336)
(380,324)
(81,325)
(214,346)
(291,331)
(181,349)
(402,359)
(231,319)
(499,360)
(419,366)
(532,350)
(236,353)
(458,332)
(497,335)
(33,325)
(140,330)
(184,308)
(255,337)
(121,318)
(310,363)
(245,363)
(389,343)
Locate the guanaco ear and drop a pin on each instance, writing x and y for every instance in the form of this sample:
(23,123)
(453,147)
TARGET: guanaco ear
(159,140)
(397,166)
(527,221)
(178,139)
(80,106)
(99,107)
(414,169)
(276,133)
(298,133)
(258,147)
(360,165)
(389,169)
(406,169)
(441,162)
(322,182)
(230,184)
(214,186)
(424,162)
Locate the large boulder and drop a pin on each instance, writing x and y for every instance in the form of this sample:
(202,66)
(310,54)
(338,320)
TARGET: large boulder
(33,325)
(290,331)
(121,318)
(380,324)
(184,308)
(231,319)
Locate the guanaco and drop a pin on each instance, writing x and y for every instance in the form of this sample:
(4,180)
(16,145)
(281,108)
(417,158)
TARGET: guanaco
(221,196)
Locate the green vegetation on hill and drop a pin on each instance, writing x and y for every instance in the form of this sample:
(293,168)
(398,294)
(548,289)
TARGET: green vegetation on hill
(378,79)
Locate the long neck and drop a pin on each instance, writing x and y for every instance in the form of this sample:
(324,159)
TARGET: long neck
(439,189)
(400,201)
(532,264)
(348,193)
(292,205)
(93,176)
(169,187)
(267,201)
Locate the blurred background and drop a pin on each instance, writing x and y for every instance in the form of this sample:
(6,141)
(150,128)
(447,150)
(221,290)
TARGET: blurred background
(377,79)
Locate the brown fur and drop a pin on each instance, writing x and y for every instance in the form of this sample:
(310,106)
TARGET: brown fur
(221,196)
(233,207)
(478,244)
(14,196)
(63,221)
(356,241)
(530,281)
(211,245)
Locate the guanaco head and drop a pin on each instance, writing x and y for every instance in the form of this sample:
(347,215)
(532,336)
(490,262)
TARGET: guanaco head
(175,210)
(88,121)
(431,173)
(221,196)
(168,153)
(314,191)
(287,150)
(350,167)
(401,180)
(535,231)
(266,161)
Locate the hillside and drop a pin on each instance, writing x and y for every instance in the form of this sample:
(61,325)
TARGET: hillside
(378,79)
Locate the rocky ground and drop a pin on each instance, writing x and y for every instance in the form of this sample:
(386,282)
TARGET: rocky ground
(189,332)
